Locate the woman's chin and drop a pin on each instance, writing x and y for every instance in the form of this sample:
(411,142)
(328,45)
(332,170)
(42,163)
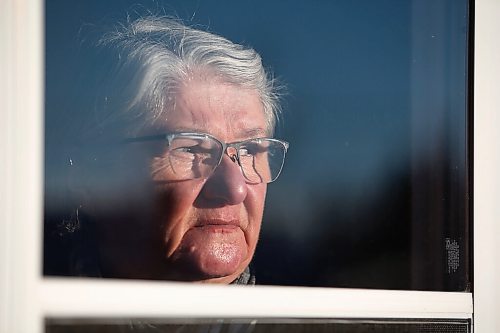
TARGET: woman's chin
(211,253)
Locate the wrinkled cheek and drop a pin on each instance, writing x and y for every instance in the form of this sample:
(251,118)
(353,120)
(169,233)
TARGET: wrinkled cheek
(212,251)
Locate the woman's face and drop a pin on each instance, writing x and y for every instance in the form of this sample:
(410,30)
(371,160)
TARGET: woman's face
(203,229)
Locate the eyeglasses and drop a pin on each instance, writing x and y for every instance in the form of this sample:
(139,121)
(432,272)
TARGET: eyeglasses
(197,155)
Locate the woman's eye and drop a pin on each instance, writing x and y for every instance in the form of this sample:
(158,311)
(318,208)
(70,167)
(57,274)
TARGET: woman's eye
(191,149)
(186,150)
(244,152)
(197,150)
(251,150)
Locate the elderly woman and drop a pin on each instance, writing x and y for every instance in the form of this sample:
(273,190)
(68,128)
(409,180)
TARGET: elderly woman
(177,155)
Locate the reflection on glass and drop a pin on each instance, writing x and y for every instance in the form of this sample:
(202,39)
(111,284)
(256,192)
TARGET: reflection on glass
(374,189)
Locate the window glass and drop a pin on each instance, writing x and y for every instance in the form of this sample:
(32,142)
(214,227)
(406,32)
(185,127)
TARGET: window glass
(374,190)
(261,325)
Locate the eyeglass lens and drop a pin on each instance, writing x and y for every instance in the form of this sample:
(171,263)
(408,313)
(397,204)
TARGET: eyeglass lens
(191,157)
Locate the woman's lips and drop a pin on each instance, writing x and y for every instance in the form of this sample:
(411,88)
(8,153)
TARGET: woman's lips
(218,225)
(218,228)
(218,222)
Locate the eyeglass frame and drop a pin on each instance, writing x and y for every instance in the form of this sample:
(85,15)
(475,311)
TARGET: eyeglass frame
(236,145)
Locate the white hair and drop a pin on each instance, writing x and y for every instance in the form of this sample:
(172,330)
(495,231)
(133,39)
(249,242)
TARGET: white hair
(155,55)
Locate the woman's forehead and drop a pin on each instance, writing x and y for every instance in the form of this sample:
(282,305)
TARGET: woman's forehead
(224,110)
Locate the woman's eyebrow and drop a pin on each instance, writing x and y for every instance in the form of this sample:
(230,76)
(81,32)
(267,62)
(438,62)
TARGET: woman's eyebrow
(255,132)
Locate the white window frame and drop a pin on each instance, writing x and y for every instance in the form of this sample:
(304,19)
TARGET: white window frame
(26,298)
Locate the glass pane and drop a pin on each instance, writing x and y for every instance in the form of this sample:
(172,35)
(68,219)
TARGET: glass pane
(374,191)
(259,325)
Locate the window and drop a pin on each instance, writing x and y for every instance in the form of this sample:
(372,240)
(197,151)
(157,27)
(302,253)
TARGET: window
(30,266)
(374,191)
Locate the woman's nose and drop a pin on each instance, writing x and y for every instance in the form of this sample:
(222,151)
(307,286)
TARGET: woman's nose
(227,184)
